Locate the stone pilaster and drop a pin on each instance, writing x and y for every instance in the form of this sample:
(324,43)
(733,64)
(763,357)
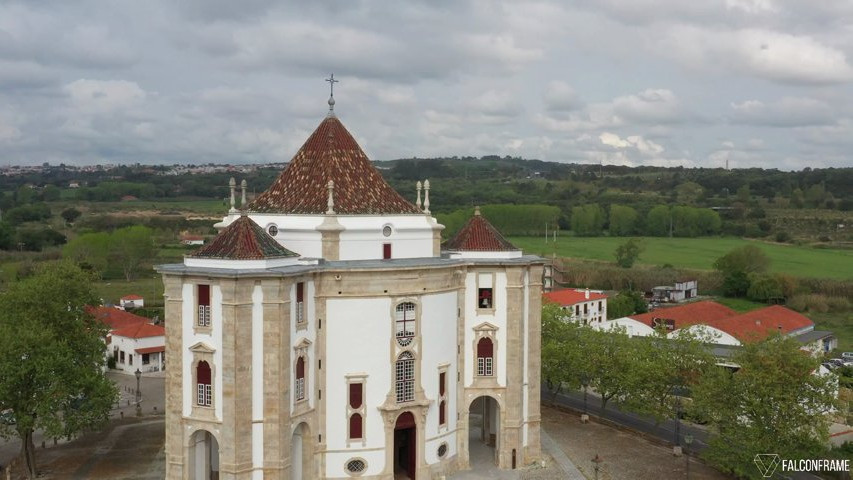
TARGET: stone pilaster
(330,230)
(276,333)
(174,399)
(513,415)
(533,450)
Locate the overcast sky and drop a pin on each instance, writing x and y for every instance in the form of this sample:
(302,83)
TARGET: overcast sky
(638,82)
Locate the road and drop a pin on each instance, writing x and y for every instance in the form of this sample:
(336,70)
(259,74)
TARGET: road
(664,430)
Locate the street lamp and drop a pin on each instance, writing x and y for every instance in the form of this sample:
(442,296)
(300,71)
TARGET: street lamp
(138,393)
(688,439)
(597,464)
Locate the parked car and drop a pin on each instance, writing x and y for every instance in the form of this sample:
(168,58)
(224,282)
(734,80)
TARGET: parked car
(7,417)
(829,366)
(847,355)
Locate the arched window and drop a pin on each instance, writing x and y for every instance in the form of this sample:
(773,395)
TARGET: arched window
(405,375)
(355,426)
(405,323)
(485,357)
(299,388)
(204,390)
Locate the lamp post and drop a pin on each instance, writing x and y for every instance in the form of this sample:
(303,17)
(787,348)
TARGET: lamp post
(597,464)
(688,439)
(138,393)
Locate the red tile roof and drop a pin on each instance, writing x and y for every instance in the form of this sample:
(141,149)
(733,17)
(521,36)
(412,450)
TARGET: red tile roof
(151,350)
(140,330)
(115,318)
(684,315)
(479,235)
(759,324)
(331,153)
(243,240)
(131,297)
(571,296)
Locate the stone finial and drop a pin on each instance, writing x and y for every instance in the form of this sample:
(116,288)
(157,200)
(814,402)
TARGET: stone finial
(418,186)
(232,184)
(243,186)
(331,202)
(477,211)
(426,196)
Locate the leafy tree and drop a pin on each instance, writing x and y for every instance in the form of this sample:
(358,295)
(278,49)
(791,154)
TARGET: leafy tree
(90,251)
(626,302)
(765,288)
(27,213)
(737,265)
(7,235)
(70,215)
(774,403)
(52,358)
(628,253)
(623,220)
(612,367)
(658,221)
(130,247)
(36,237)
(50,193)
(564,360)
(743,193)
(587,220)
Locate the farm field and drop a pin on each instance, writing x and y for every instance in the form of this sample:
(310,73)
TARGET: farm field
(699,253)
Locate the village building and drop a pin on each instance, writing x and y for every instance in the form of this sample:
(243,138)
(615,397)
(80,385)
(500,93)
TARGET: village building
(131,301)
(325,333)
(582,305)
(133,341)
(679,292)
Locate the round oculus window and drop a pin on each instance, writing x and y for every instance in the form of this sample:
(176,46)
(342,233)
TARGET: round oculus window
(386,231)
(272,230)
(442,450)
(356,465)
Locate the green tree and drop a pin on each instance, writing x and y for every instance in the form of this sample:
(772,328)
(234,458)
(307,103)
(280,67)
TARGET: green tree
(765,287)
(774,403)
(70,214)
(612,368)
(743,193)
(737,265)
(52,358)
(130,247)
(7,236)
(628,253)
(564,360)
(626,302)
(658,221)
(50,193)
(587,220)
(90,251)
(623,220)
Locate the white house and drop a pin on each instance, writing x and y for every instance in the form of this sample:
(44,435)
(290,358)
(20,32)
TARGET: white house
(140,346)
(582,305)
(132,301)
(682,290)
(325,333)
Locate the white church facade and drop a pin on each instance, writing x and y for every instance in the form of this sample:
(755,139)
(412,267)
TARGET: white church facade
(326,333)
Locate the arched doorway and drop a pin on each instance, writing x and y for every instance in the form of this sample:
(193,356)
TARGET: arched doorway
(405,447)
(301,453)
(484,420)
(203,456)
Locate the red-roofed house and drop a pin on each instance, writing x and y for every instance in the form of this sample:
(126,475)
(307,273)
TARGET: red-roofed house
(132,301)
(674,318)
(133,341)
(584,306)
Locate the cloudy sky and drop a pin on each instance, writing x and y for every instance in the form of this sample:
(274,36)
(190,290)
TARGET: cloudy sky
(764,83)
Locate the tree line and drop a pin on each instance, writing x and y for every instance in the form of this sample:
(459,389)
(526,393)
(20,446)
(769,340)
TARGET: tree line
(772,401)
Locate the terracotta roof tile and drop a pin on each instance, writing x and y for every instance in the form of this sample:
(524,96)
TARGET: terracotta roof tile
(684,315)
(141,330)
(331,153)
(479,235)
(759,324)
(243,240)
(151,350)
(571,296)
(115,318)
(131,297)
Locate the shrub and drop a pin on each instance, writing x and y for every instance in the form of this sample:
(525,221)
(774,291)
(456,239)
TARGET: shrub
(783,237)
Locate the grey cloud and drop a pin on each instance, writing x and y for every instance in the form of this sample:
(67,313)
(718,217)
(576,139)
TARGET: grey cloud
(786,112)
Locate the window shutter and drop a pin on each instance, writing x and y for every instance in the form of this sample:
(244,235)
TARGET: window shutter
(355,391)
(203,373)
(484,348)
(386,251)
(441,414)
(441,378)
(300,291)
(355,426)
(204,294)
(300,368)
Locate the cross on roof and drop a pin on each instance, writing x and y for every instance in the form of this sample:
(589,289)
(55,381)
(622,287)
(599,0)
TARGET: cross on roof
(332,83)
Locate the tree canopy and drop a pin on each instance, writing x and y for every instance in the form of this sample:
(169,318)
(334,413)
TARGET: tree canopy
(52,357)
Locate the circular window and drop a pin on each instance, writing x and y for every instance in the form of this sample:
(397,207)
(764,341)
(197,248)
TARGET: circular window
(442,450)
(386,230)
(356,466)
(272,230)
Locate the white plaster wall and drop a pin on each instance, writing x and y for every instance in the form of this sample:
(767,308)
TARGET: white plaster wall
(240,264)
(632,327)
(357,342)
(309,333)
(438,341)
(717,336)
(214,340)
(129,346)
(362,239)
(297,233)
(474,317)
(473,254)
(257,381)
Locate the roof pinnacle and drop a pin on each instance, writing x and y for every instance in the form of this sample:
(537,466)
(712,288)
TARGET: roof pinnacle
(332,83)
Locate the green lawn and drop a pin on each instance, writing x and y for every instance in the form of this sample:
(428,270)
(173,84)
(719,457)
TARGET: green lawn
(699,253)
(150,288)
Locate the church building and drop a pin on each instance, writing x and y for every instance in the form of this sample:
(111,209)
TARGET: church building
(326,333)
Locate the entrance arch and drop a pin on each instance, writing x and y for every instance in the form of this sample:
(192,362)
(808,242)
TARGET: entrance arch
(405,447)
(301,453)
(203,456)
(484,435)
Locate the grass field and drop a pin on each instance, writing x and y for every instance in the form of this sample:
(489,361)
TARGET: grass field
(150,288)
(699,253)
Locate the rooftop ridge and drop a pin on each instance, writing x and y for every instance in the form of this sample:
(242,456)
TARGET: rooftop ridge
(243,240)
(479,235)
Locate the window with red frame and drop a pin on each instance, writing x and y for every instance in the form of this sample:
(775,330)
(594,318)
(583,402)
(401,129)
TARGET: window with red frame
(299,387)
(485,357)
(203,305)
(204,390)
